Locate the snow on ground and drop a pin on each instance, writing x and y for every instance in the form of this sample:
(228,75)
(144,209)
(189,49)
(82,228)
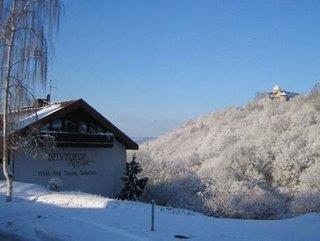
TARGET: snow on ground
(38,214)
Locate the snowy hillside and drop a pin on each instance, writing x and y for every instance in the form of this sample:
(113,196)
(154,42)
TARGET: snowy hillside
(141,140)
(40,215)
(257,161)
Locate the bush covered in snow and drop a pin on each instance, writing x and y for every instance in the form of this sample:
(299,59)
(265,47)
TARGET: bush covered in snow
(259,161)
(55,184)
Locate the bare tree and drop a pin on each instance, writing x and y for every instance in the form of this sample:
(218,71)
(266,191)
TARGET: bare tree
(25,28)
(260,95)
(315,90)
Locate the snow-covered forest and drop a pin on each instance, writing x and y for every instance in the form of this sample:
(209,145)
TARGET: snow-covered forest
(257,161)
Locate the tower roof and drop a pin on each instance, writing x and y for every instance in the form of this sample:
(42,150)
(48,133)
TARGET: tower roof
(276,88)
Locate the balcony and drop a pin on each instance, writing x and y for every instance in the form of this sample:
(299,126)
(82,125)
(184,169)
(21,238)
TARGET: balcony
(70,139)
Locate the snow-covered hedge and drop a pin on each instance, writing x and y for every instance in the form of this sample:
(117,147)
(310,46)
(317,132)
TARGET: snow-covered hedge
(259,161)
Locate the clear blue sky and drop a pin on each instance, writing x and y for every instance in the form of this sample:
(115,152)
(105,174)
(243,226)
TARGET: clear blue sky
(149,65)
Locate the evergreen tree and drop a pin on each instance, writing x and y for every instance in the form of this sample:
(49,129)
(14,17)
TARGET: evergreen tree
(134,186)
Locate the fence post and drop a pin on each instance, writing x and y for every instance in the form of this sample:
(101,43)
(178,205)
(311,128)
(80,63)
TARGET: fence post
(152,215)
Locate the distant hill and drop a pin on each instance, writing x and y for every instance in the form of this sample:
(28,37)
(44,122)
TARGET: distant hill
(141,140)
(257,161)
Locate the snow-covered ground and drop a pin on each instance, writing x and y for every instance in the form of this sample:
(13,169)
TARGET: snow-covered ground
(38,214)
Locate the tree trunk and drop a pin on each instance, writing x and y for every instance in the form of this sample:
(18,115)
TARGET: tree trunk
(6,85)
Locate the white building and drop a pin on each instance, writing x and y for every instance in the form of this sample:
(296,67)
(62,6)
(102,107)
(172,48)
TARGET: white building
(282,95)
(90,155)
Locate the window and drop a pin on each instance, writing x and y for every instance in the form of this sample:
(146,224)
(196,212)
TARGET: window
(70,125)
(46,127)
(79,129)
(95,128)
(76,122)
(82,126)
(56,125)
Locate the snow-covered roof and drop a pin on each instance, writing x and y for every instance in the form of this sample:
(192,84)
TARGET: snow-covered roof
(39,114)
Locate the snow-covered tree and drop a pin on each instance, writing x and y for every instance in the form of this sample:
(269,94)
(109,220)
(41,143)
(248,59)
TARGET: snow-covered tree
(25,27)
(258,161)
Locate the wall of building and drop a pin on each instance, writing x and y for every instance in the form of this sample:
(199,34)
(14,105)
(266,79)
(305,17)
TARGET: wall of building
(92,170)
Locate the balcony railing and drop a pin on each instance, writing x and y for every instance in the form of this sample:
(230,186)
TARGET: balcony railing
(70,139)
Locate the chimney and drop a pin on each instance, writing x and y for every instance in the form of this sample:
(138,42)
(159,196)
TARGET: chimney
(42,102)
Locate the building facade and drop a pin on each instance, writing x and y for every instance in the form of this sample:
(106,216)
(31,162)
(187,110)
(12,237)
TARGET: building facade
(282,95)
(89,153)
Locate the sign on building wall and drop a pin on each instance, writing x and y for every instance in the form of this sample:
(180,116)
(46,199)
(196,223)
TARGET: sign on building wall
(71,164)
(94,170)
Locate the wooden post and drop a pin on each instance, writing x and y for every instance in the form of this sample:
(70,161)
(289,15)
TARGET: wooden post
(152,215)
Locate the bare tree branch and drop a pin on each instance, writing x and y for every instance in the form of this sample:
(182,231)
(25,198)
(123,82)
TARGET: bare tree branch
(25,27)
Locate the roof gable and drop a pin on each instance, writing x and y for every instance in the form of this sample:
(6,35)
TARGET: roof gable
(45,115)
